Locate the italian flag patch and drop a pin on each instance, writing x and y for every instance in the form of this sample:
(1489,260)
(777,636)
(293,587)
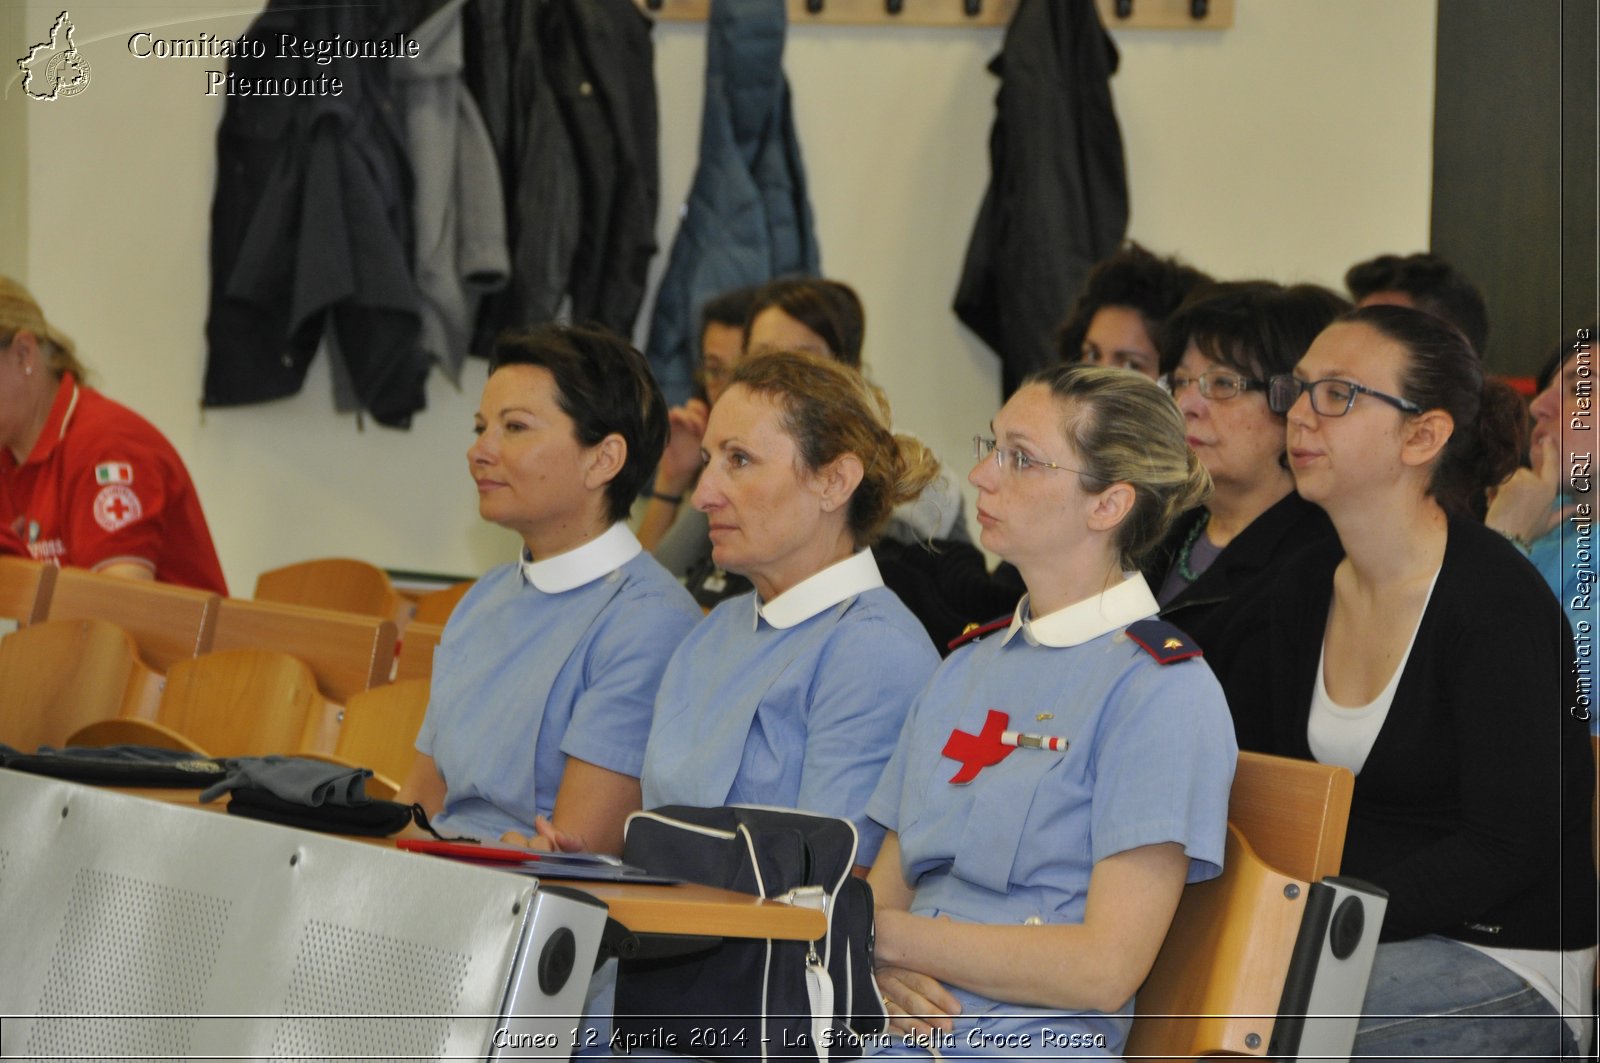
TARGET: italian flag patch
(113,472)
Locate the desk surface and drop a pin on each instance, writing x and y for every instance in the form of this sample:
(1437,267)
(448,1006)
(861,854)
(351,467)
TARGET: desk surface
(683,909)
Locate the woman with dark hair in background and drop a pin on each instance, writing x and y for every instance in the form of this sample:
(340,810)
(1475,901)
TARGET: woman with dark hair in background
(1423,652)
(544,681)
(1219,350)
(810,314)
(1117,318)
(821,317)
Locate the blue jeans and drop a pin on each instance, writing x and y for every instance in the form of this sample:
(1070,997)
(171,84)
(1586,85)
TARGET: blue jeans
(1431,996)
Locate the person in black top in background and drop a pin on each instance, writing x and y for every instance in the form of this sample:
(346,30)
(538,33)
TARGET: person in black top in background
(1218,351)
(1422,651)
(1117,318)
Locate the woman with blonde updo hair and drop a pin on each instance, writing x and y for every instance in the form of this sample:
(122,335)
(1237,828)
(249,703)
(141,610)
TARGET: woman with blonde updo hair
(793,694)
(1059,781)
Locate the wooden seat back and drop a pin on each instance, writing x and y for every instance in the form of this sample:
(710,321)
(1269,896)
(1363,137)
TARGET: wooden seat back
(379,733)
(168,623)
(346,652)
(25,588)
(338,583)
(57,675)
(1293,812)
(1217,982)
(435,607)
(229,703)
(416,651)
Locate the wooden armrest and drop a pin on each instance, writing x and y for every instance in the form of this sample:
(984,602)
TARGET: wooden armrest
(1217,981)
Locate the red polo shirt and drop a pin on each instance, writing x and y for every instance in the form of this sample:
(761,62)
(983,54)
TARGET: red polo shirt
(103,486)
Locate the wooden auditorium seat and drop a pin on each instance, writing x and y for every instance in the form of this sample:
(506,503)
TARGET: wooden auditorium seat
(379,733)
(229,703)
(435,607)
(168,623)
(337,583)
(25,588)
(416,651)
(57,675)
(1228,979)
(347,653)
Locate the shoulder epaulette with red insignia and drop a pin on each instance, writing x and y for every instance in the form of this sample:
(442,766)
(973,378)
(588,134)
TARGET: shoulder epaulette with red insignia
(1163,641)
(974,631)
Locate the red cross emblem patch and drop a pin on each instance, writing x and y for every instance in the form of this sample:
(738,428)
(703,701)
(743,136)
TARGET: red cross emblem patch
(116,506)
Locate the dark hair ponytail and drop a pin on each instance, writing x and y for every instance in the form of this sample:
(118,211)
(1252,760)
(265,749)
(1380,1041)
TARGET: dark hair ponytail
(1442,372)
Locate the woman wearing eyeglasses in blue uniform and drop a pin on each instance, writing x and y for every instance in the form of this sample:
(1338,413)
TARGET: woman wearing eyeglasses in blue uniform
(793,694)
(1063,776)
(1422,651)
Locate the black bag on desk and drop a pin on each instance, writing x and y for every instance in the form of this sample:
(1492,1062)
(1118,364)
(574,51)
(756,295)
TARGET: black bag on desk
(755,999)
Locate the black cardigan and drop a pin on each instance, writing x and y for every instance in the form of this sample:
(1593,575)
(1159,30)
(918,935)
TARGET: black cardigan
(1240,573)
(1473,808)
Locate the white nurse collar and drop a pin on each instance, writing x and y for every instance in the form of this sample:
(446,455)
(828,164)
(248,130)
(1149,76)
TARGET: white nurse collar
(854,575)
(1079,622)
(598,557)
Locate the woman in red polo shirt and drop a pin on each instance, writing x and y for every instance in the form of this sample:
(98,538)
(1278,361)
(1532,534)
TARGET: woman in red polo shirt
(84,481)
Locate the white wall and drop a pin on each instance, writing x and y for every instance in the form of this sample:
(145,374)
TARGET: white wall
(1288,146)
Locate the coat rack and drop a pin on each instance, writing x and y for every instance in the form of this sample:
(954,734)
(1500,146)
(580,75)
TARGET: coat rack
(1115,14)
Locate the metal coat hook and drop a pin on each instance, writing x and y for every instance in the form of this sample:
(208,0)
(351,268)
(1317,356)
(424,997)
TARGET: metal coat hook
(654,5)
(814,7)
(894,7)
(972,8)
(1199,9)
(1124,8)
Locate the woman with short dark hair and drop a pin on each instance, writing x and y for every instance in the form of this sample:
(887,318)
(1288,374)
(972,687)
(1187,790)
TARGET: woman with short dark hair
(1117,318)
(1219,349)
(544,680)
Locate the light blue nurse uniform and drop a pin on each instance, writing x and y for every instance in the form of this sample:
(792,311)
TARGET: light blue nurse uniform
(796,703)
(525,678)
(1149,759)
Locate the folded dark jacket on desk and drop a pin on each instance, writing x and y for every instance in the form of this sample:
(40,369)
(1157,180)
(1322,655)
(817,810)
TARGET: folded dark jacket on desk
(117,765)
(312,794)
(293,791)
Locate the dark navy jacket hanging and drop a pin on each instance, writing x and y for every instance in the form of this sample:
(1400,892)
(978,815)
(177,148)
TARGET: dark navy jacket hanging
(747,219)
(567,90)
(311,226)
(1057,200)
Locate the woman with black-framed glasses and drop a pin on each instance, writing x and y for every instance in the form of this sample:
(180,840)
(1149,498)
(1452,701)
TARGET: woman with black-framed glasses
(1220,349)
(1423,652)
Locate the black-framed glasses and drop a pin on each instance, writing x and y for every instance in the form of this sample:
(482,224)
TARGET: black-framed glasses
(1214,384)
(1016,460)
(1329,398)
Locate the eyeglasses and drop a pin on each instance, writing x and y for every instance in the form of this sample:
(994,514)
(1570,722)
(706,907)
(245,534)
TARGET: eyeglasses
(1215,384)
(1330,398)
(1011,458)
